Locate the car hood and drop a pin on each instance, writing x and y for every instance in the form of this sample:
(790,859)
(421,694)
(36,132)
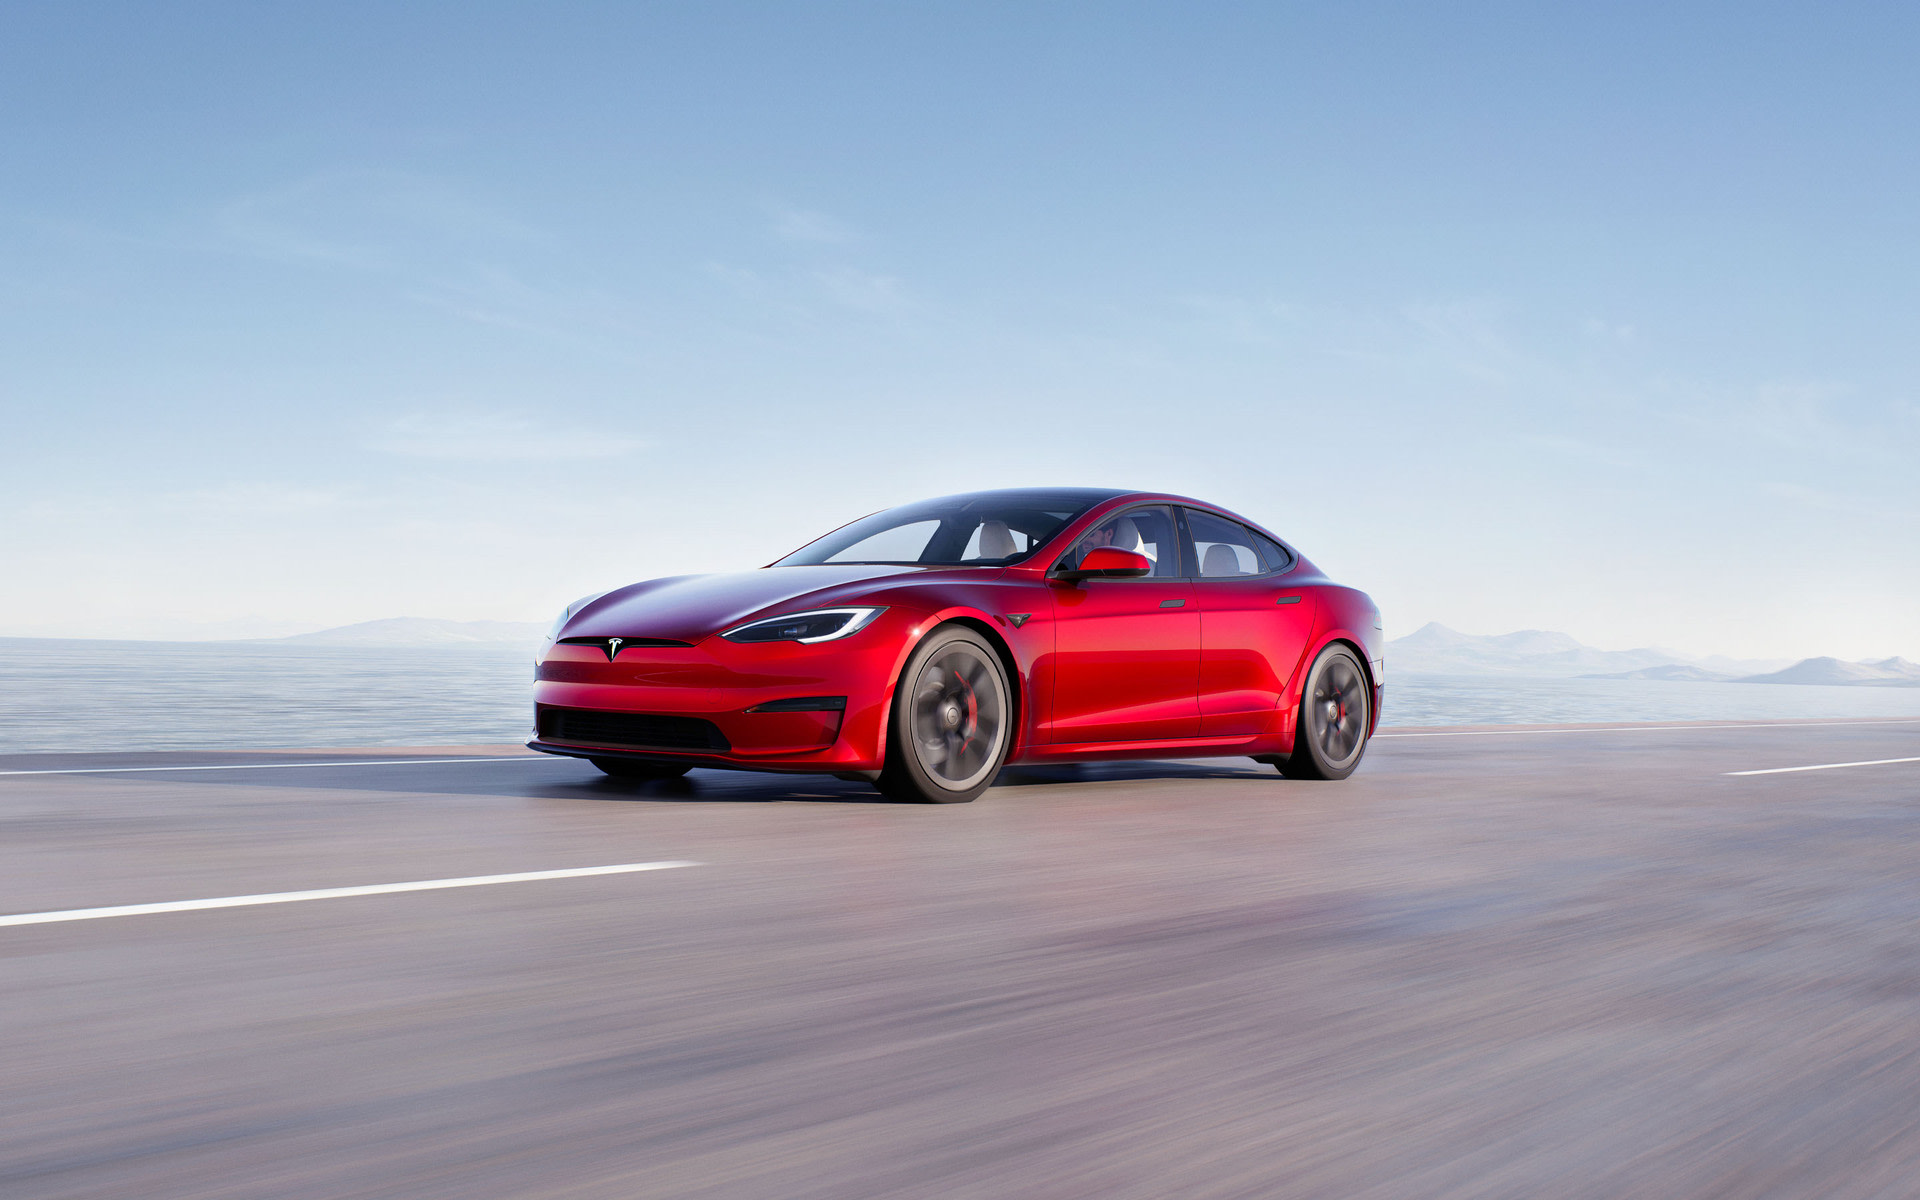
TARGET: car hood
(687,608)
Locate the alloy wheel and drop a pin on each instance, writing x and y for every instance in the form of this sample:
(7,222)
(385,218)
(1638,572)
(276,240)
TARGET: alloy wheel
(1337,712)
(957,717)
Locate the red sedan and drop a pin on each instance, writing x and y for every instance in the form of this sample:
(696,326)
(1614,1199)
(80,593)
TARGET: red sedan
(926,646)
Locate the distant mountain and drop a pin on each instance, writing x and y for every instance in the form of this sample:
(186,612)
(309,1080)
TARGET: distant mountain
(424,631)
(1682,672)
(1434,649)
(1888,672)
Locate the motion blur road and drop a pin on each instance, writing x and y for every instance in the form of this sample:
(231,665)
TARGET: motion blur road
(1558,963)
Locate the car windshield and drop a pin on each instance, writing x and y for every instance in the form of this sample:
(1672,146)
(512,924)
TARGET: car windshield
(980,529)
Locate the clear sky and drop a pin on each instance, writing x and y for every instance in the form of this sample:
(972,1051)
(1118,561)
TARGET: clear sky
(1593,318)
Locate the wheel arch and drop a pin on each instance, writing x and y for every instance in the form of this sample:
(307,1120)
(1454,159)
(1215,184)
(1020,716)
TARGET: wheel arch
(893,734)
(1337,637)
(1016,682)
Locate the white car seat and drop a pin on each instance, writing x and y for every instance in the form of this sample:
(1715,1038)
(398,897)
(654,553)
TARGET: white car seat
(996,540)
(1220,560)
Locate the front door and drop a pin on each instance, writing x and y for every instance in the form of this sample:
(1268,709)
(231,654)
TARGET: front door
(1126,651)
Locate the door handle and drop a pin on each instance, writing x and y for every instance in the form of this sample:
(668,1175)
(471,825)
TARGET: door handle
(1173,604)
(1288,600)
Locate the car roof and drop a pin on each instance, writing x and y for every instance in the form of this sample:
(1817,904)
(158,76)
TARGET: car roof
(1091,495)
(1094,498)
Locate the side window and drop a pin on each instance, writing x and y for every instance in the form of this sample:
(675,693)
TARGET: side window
(1149,531)
(1222,548)
(1276,556)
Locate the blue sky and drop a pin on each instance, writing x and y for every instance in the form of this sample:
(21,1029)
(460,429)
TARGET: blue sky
(1514,315)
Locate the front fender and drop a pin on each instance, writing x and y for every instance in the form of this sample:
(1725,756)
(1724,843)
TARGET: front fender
(1020,647)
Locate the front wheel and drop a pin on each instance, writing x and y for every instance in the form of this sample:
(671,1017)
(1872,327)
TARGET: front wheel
(952,721)
(1335,714)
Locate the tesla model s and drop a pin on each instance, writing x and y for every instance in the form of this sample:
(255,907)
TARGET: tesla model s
(924,647)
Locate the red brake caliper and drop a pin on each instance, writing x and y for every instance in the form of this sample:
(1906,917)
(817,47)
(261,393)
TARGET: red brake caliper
(973,709)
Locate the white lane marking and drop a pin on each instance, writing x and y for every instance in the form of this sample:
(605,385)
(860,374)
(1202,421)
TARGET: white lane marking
(1871,762)
(1640,729)
(375,889)
(371,762)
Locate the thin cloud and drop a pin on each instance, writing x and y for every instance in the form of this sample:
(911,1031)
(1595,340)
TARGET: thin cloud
(1467,337)
(861,290)
(1852,505)
(743,280)
(799,225)
(1238,319)
(497,437)
(1608,331)
(255,498)
(378,221)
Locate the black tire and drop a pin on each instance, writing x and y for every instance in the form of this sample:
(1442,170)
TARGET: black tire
(952,721)
(1336,712)
(634,768)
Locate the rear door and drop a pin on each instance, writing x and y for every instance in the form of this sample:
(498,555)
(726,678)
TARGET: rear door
(1126,651)
(1254,628)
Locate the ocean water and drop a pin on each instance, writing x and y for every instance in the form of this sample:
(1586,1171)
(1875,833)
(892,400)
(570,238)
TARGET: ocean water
(58,695)
(1492,700)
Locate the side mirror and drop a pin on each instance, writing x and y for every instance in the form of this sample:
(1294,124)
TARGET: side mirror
(1105,562)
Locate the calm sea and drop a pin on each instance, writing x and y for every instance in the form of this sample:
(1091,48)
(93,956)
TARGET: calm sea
(58,695)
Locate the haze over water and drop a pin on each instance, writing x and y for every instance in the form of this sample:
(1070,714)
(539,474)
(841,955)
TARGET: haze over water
(77,696)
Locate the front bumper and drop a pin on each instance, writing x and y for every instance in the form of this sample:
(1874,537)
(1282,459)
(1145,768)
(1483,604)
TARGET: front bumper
(697,704)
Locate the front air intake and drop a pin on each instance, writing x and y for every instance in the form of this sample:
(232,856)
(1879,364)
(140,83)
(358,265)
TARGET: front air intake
(639,731)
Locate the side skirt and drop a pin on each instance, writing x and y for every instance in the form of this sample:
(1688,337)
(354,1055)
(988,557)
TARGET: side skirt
(1215,747)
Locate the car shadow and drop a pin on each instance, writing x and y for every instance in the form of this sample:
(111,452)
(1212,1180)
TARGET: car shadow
(1052,774)
(726,787)
(744,786)
(568,779)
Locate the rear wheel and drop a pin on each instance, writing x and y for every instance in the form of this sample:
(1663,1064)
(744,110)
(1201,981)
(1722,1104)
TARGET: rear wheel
(952,721)
(634,768)
(1335,714)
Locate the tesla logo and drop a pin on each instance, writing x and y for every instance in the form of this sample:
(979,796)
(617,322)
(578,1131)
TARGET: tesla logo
(613,647)
(1018,619)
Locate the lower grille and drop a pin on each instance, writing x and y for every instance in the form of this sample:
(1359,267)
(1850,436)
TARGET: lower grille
(649,731)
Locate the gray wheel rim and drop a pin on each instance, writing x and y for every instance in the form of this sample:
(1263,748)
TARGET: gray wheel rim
(1337,712)
(957,717)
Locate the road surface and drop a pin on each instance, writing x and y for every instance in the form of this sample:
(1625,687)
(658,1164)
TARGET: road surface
(1562,962)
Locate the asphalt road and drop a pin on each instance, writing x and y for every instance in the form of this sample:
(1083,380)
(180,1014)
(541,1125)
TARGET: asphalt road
(1561,963)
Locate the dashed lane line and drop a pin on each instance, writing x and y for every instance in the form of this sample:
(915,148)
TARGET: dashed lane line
(370,762)
(1640,729)
(1871,762)
(376,889)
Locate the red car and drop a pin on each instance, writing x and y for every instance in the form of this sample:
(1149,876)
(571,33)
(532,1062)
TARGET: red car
(924,647)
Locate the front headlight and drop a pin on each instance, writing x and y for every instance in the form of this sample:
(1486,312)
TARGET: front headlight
(819,625)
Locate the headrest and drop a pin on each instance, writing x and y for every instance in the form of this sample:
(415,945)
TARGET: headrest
(996,540)
(1220,560)
(1126,535)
